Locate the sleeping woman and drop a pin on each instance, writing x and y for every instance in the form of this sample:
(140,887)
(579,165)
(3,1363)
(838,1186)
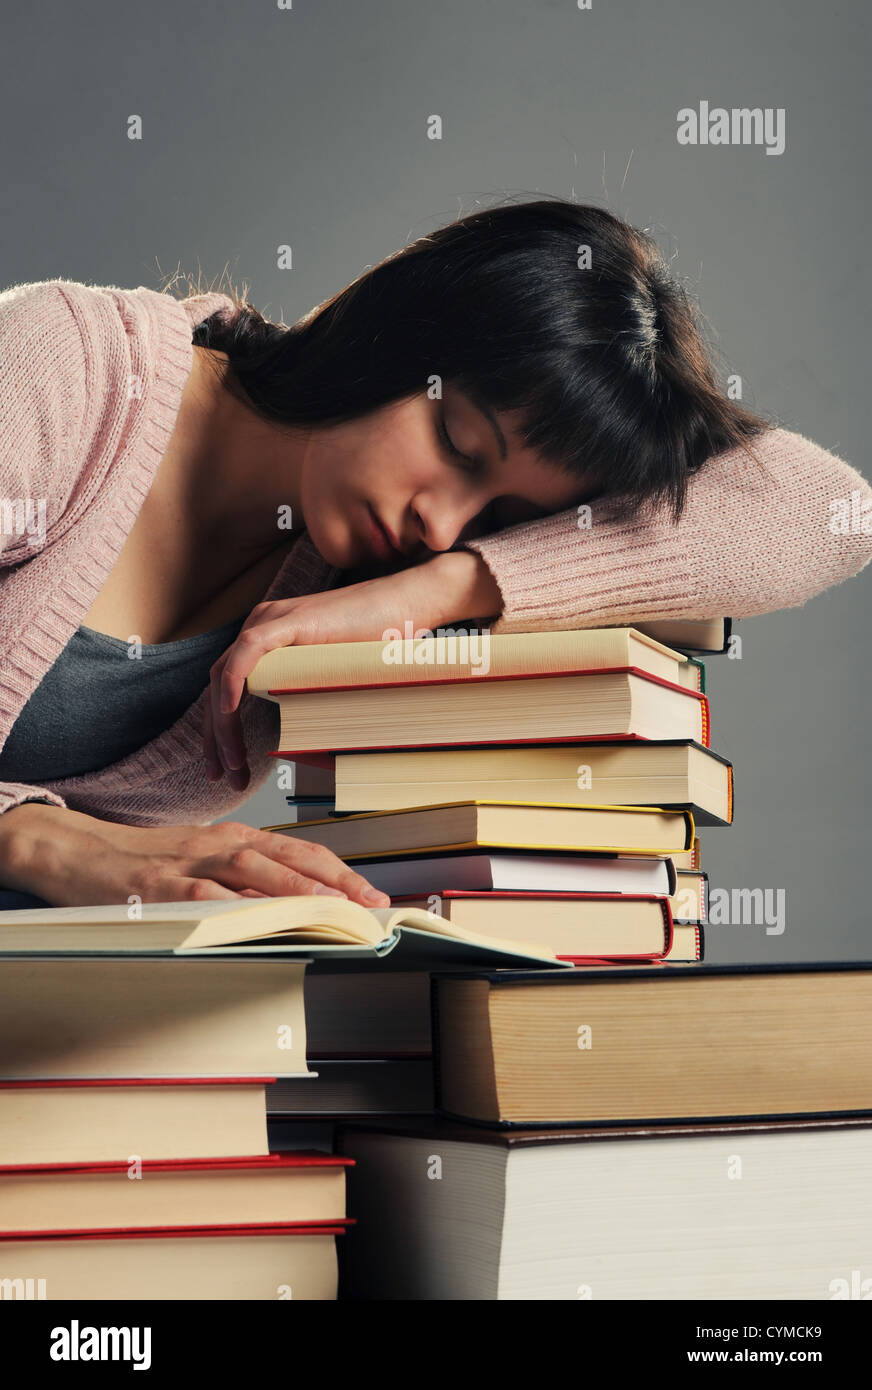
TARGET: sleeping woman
(514,420)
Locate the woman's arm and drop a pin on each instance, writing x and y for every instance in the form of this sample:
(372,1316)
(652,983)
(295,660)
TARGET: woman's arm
(71,859)
(749,541)
(45,430)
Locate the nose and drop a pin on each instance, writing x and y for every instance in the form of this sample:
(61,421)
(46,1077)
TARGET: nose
(445,513)
(443,519)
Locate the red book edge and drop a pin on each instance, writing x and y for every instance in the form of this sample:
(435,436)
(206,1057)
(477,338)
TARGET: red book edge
(336,1227)
(308,1158)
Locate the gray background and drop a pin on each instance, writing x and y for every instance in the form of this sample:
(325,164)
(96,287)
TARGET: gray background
(308,126)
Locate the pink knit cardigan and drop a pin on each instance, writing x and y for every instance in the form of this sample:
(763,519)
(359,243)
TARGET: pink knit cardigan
(92,378)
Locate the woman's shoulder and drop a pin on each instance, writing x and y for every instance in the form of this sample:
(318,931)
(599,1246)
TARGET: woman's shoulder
(89,375)
(46,313)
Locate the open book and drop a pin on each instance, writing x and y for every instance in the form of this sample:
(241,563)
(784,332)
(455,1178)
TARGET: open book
(308,925)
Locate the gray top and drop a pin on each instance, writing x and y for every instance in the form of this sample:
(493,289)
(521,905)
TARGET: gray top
(97,703)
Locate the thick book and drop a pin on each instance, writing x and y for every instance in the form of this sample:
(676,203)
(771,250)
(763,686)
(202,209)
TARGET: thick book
(355,1015)
(677,774)
(623,703)
(106,1121)
(578,927)
(757,1211)
(666,1042)
(75,1018)
(462,656)
(271,1190)
(550,827)
(199,1263)
(309,929)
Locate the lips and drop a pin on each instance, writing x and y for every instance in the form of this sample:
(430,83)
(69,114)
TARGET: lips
(383,541)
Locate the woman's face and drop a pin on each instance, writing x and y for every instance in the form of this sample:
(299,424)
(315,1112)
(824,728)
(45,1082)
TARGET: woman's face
(387,489)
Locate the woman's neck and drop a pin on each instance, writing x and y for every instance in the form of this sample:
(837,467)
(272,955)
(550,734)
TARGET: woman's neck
(240,470)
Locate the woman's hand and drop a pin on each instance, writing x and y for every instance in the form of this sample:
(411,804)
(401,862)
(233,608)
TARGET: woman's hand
(454,585)
(71,859)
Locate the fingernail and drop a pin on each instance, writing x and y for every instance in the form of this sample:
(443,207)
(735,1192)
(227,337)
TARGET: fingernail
(330,892)
(373,895)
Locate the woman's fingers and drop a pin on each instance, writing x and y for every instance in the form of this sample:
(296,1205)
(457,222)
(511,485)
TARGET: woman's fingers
(226,731)
(273,865)
(318,862)
(247,868)
(184,889)
(259,635)
(264,635)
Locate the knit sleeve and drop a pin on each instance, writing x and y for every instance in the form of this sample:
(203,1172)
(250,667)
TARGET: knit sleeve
(43,392)
(753,537)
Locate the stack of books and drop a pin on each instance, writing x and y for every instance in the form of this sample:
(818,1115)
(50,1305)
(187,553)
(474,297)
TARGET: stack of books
(642,1125)
(628,1133)
(134,1159)
(138,1047)
(542,786)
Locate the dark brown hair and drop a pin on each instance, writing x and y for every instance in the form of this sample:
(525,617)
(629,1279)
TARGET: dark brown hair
(608,364)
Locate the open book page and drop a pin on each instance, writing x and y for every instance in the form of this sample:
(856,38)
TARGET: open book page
(306,918)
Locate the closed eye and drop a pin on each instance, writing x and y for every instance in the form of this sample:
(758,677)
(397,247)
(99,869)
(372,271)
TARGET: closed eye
(451,449)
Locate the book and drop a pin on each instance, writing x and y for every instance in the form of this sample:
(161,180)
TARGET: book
(462,825)
(288,1135)
(103,1018)
(688,942)
(704,635)
(437,874)
(578,927)
(371,1016)
(462,656)
(663,1042)
(356,1086)
(105,1122)
(688,858)
(688,905)
(309,810)
(684,1212)
(264,1263)
(674,774)
(306,783)
(689,902)
(311,927)
(569,707)
(269,1190)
